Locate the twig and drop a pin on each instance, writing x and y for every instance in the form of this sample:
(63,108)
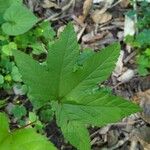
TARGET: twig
(30,124)
(66,7)
(115,4)
(81,32)
(129,57)
(78,21)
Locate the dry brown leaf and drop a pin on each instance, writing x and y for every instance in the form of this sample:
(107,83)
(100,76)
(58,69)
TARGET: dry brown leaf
(100,17)
(124,3)
(144,98)
(119,65)
(86,9)
(136,99)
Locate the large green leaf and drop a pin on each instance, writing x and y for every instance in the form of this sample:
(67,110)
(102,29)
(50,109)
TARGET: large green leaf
(24,139)
(72,91)
(18,19)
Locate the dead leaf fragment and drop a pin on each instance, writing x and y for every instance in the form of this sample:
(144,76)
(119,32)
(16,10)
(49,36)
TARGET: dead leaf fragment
(129,26)
(124,3)
(100,17)
(126,76)
(86,9)
(145,104)
(119,65)
(91,38)
(49,4)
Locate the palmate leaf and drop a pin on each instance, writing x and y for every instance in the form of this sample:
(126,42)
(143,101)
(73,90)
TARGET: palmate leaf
(18,19)
(24,139)
(70,91)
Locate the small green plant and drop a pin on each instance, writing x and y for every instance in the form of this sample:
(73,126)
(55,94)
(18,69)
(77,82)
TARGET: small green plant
(36,39)
(69,82)
(24,139)
(141,43)
(141,40)
(9,73)
(143,15)
(19,111)
(17,20)
(34,119)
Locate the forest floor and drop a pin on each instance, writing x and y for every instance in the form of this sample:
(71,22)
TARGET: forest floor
(99,23)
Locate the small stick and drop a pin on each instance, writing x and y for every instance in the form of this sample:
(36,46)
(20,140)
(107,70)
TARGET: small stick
(27,125)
